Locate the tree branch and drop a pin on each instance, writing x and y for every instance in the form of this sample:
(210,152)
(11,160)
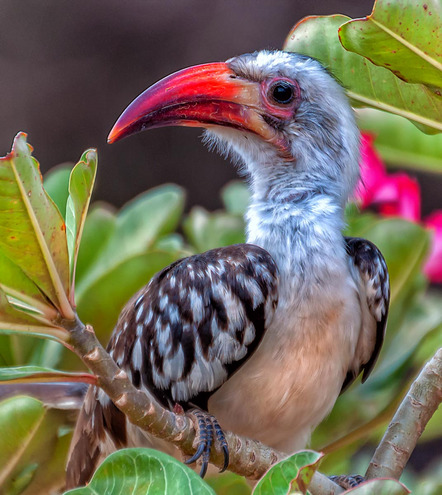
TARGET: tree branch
(407,425)
(248,457)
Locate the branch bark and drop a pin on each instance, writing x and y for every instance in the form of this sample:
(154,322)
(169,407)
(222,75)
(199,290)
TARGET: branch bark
(248,457)
(407,425)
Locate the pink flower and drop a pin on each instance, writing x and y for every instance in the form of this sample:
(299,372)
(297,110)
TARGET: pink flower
(392,194)
(433,266)
(397,195)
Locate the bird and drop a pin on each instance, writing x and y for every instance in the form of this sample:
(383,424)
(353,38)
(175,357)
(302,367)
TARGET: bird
(257,338)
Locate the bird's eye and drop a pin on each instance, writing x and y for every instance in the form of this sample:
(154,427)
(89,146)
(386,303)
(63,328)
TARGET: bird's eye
(282,92)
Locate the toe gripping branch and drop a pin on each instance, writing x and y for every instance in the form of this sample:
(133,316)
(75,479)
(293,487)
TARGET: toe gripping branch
(207,426)
(348,481)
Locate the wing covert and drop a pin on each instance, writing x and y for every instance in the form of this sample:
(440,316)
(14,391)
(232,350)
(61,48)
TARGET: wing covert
(196,322)
(371,273)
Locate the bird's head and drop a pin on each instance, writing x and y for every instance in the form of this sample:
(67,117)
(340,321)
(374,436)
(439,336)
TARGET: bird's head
(281,114)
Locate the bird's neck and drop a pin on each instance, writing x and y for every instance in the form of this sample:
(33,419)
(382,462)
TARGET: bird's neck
(299,222)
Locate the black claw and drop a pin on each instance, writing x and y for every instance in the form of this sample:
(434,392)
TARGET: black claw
(222,441)
(197,454)
(207,427)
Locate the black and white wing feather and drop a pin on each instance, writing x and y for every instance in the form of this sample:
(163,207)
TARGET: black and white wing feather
(370,273)
(196,322)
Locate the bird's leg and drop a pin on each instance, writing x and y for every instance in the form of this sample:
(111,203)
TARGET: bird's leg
(206,425)
(348,481)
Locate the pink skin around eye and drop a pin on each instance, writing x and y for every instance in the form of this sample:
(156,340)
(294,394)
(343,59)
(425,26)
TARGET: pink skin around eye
(279,110)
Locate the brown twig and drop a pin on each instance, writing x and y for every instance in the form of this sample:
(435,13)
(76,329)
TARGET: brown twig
(409,422)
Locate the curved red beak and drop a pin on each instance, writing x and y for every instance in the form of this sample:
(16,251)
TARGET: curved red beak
(201,96)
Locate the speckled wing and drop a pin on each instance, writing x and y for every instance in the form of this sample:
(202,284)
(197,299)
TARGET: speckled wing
(196,322)
(371,276)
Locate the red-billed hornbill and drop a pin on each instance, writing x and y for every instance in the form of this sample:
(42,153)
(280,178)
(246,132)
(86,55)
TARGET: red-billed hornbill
(263,335)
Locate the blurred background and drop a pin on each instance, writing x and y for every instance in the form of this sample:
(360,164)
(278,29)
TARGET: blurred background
(70,68)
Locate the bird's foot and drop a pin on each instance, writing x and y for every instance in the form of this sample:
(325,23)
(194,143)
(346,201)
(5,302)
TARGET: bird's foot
(207,427)
(348,481)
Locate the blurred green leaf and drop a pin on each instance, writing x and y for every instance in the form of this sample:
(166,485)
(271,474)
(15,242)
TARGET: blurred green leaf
(103,299)
(400,143)
(98,228)
(422,317)
(34,229)
(379,487)
(81,183)
(20,418)
(229,484)
(143,472)
(402,36)
(236,197)
(366,83)
(138,225)
(211,230)
(56,184)
(291,475)
(40,374)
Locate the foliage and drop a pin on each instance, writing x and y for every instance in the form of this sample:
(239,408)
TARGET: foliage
(43,265)
(120,473)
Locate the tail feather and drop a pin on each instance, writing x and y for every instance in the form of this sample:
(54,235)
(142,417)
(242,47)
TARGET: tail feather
(100,430)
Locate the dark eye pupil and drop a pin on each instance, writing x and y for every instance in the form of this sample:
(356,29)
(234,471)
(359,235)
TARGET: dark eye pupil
(282,93)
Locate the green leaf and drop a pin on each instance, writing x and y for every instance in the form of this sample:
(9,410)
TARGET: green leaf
(402,36)
(12,320)
(56,184)
(20,419)
(229,484)
(138,225)
(211,230)
(366,83)
(102,300)
(236,197)
(40,374)
(32,229)
(81,183)
(423,317)
(143,472)
(98,228)
(379,487)
(291,475)
(15,283)
(400,143)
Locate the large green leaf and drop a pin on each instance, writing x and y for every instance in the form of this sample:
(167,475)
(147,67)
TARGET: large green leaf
(291,475)
(20,418)
(32,229)
(143,472)
(366,83)
(400,143)
(403,36)
(81,183)
(138,225)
